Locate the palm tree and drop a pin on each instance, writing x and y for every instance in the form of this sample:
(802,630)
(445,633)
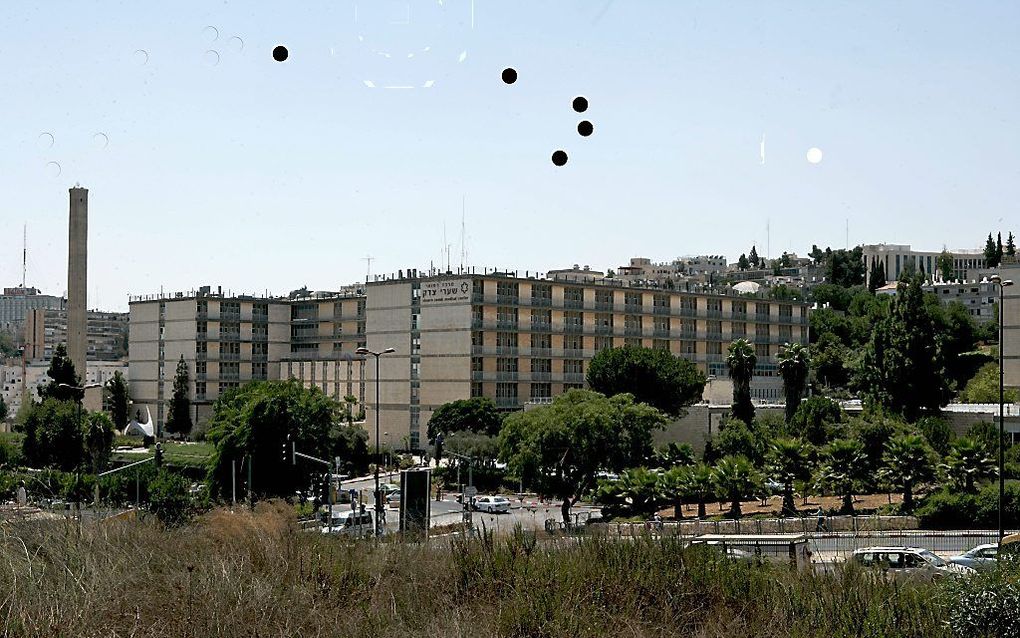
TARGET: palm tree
(794,364)
(789,460)
(699,483)
(674,454)
(969,462)
(736,480)
(741,360)
(844,466)
(350,401)
(636,491)
(673,487)
(909,461)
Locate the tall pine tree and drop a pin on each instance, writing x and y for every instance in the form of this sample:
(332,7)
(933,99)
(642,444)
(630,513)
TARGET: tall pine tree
(991,253)
(117,390)
(998,249)
(179,419)
(63,378)
(1010,246)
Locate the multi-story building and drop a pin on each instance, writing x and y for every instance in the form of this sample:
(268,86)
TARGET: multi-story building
(225,340)
(1010,270)
(107,334)
(519,339)
(699,268)
(898,257)
(326,328)
(978,296)
(19,378)
(16,303)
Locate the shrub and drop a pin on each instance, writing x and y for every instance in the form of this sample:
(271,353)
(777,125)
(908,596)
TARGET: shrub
(986,604)
(947,509)
(169,499)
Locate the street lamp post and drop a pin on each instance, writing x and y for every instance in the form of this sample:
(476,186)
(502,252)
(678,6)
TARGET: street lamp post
(1002,284)
(378,498)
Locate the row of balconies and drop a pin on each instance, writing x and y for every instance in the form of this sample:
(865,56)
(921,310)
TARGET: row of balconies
(539,325)
(631,331)
(557,377)
(230,336)
(507,300)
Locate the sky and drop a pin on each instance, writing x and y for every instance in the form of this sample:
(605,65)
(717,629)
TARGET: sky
(209,162)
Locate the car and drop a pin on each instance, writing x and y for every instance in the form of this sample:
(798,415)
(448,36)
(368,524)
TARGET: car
(980,557)
(349,522)
(908,563)
(492,504)
(393,497)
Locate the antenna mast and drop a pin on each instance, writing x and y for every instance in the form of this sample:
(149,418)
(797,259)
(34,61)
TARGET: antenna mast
(463,233)
(368,272)
(24,254)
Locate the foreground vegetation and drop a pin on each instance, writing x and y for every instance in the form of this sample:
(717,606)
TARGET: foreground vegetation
(244,574)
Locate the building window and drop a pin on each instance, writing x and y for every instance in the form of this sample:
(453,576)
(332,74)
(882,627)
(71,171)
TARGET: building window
(714,347)
(573,366)
(661,344)
(541,341)
(476,364)
(739,329)
(506,317)
(200,389)
(632,301)
(761,331)
(660,301)
(785,311)
(573,342)
(604,299)
(541,294)
(572,386)
(506,365)
(761,349)
(476,389)
(200,367)
(632,324)
(541,320)
(762,310)
(506,339)
(541,366)
(477,338)
(786,333)
(603,343)
(541,390)
(507,289)
(259,370)
(573,297)
(573,321)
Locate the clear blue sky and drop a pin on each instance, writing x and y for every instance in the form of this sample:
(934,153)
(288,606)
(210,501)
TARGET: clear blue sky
(257,175)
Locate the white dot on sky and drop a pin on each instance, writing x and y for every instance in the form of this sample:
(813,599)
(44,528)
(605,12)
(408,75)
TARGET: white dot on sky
(814,155)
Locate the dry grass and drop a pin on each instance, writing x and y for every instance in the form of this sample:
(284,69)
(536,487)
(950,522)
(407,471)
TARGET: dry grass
(254,574)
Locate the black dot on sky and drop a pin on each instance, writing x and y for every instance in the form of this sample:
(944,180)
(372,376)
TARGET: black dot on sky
(509,75)
(580,104)
(585,128)
(280,53)
(559,158)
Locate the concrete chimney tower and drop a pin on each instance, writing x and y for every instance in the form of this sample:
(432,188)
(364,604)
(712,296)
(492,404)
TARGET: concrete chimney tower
(77,279)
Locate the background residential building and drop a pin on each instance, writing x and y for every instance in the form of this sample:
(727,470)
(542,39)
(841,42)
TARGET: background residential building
(897,257)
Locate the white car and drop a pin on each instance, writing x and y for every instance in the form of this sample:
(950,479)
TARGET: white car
(908,563)
(492,504)
(980,557)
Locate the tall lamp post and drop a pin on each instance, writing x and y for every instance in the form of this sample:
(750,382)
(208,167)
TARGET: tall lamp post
(378,498)
(1002,284)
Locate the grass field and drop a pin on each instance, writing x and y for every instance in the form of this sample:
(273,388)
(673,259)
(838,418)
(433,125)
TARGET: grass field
(180,454)
(252,574)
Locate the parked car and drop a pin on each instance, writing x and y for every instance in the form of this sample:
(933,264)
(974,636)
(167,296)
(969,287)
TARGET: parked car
(393,497)
(906,563)
(980,557)
(492,504)
(349,522)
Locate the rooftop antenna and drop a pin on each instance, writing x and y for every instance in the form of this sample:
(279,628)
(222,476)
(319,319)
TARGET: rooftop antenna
(847,246)
(768,238)
(24,254)
(463,234)
(368,272)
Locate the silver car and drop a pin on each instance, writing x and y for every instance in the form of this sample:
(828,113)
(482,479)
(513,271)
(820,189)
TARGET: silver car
(492,504)
(908,563)
(980,557)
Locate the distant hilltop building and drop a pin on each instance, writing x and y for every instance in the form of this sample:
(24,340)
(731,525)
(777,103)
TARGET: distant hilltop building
(17,302)
(896,258)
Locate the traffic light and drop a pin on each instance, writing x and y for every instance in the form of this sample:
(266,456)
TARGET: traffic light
(439,449)
(286,443)
(159,455)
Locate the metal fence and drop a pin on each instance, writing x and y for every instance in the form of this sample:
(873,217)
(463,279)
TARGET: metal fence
(799,525)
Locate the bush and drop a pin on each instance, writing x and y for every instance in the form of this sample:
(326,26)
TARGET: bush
(986,604)
(169,499)
(948,509)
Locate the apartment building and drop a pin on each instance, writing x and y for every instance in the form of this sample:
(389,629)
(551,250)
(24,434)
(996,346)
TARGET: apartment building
(326,328)
(16,303)
(521,339)
(225,340)
(1011,323)
(18,379)
(106,332)
(898,257)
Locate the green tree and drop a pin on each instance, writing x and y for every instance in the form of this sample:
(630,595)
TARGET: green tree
(350,401)
(818,420)
(741,361)
(635,493)
(117,388)
(910,462)
(937,432)
(789,460)
(561,447)
(984,387)
(876,276)
(991,253)
(829,360)
(842,469)
(903,368)
(945,266)
(794,365)
(743,263)
(53,434)
(873,430)
(737,438)
(699,484)
(752,257)
(97,438)
(968,463)
(846,267)
(998,249)
(63,378)
(252,423)
(674,454)
(4,410)
(653,376)
(736,479)
(816,254)
(169,499)
(477,414)
(7,345)
(179,408)
(1010,246)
